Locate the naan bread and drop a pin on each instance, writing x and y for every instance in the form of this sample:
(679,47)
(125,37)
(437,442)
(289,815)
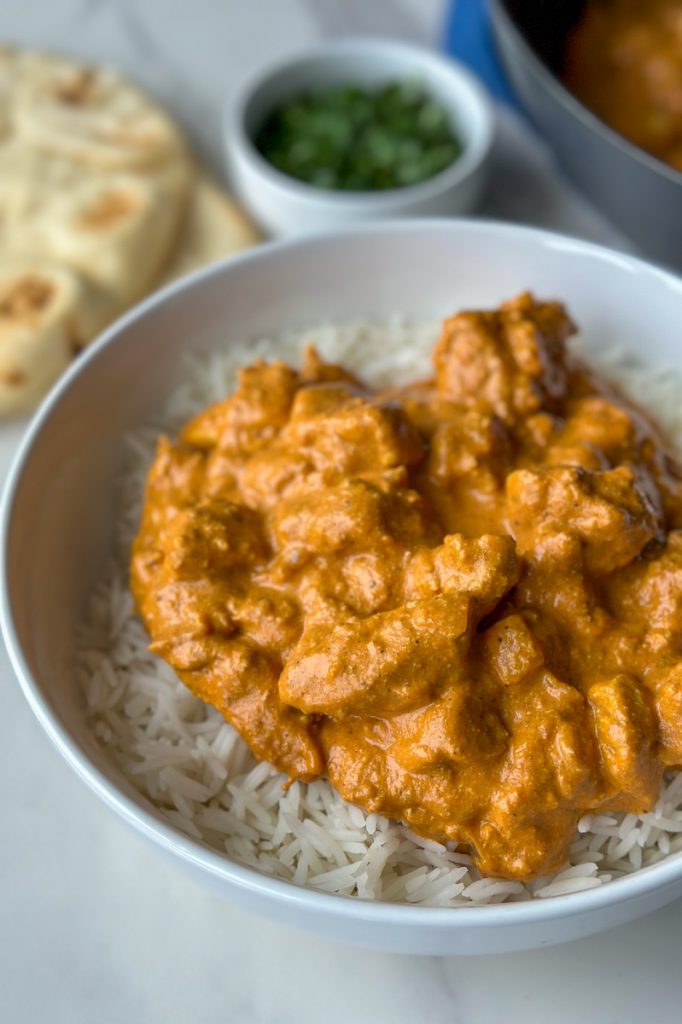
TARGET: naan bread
(98,206)
(24,179)
(47,315)
(214,227)
(91,115)
(117,229)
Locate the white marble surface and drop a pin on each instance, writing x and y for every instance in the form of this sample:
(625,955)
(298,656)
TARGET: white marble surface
(94,926)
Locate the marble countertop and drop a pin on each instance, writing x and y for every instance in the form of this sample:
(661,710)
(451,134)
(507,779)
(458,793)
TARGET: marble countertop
(94,925)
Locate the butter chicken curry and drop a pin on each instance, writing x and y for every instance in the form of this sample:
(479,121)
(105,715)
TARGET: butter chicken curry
(624,61)
(460,600)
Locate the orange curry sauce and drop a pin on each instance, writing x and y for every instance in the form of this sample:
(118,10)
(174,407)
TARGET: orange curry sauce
(624,61)
(461,600)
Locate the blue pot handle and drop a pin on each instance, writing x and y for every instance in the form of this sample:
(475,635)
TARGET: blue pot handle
(468,38)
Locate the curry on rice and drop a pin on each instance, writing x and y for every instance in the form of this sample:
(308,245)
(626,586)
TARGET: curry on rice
(460,600)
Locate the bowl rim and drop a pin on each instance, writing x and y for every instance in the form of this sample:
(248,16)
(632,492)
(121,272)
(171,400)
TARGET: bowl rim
(654,877)
(499,12)
(475,149)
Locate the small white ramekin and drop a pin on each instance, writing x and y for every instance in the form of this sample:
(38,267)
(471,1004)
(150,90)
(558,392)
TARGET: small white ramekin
(282,205)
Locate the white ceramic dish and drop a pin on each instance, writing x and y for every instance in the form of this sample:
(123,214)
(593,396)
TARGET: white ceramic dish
(59,501)
(284,206)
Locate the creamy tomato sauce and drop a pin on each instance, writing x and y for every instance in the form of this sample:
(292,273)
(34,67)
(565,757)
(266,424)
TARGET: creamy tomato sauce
(460,600)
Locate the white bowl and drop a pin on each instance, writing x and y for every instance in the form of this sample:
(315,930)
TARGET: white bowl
(282,205)
(57,513)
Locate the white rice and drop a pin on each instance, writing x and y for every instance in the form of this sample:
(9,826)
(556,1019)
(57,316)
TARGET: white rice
(195,769)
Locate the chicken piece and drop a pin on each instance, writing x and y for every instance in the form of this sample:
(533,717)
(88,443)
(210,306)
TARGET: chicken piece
(582,455)
(332,435)
(269,619)
(569,751)
(370,583)
(609,512)
(509,362)
(460,728)
(566,600)
(387,662)
(352,516)
(483,568)
(362,529)
(441,801)
(178,611)
(626,732)
(315,370)
(252,416)
(275,474)
(318,398)
(463,479)
(537,433)
(549,773)
(213,537)
(654,583)
(512,650)
(473,441)
(356,438)
(358,766)
(174,482)
(668,698)
(601,426)
(175,478)
(240,680)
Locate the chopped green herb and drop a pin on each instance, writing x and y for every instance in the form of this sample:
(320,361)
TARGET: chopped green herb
(357,139)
